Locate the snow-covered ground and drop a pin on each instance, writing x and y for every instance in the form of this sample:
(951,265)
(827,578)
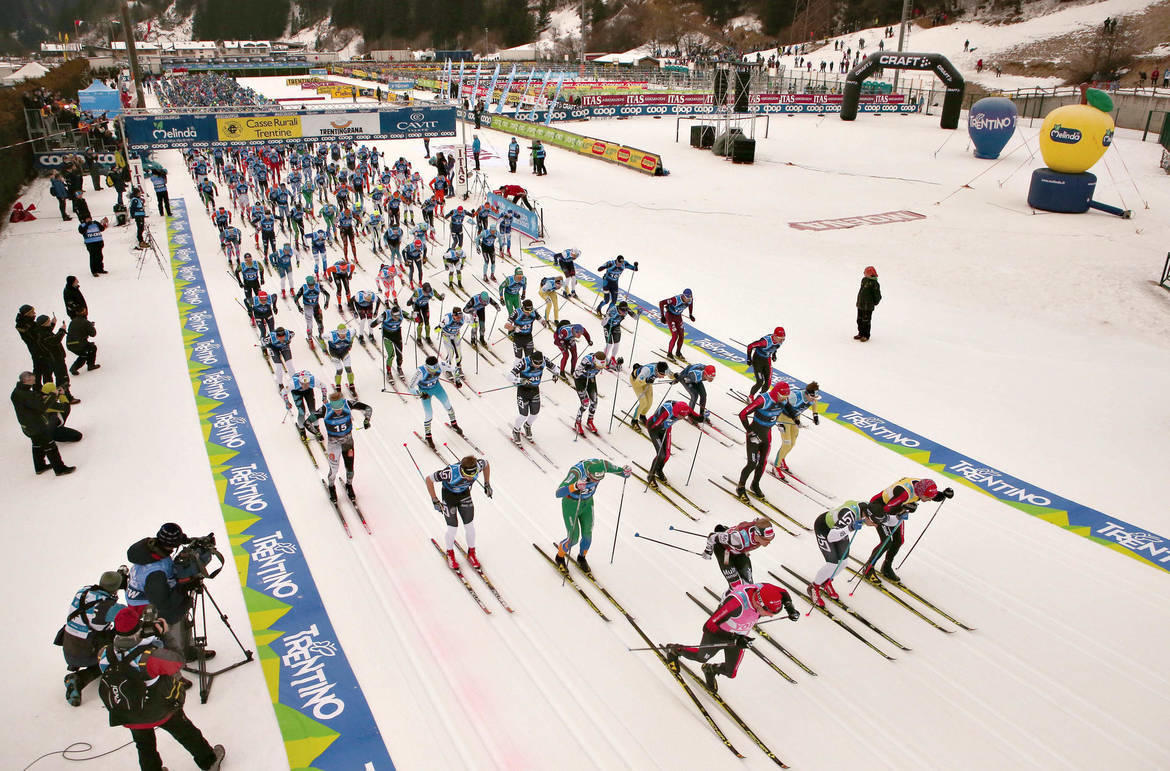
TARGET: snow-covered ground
(1034,342)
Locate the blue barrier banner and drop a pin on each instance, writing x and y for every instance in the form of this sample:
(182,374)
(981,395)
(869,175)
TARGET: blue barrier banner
(523,218)
(323,715)
(177,130)
(1101,528)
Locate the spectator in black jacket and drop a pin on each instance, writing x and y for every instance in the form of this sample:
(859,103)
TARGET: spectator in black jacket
(74,299)
(36,425)
(868,296)
(49,345)
(26,321)
(89,626)
(57,409)
(77,341)
(81,206)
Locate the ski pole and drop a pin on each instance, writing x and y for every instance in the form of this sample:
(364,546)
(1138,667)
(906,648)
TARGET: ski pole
(501,388)
(691,647)
(869,563)
(618,526)
(932,516)
(694,457)
(664,543)
(412,460)
(688,532)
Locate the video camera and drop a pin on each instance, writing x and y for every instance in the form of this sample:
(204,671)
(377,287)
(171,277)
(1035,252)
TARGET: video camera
(190,564)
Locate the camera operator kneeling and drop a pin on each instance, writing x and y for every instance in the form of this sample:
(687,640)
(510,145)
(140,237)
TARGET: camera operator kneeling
(153,582)
(142,689)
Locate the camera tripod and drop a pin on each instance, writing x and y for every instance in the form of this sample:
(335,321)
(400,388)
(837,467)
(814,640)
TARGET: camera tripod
(477,185)
(151,246)
(196,622)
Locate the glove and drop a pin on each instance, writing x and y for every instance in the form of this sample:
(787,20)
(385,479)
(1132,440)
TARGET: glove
(706,554)
(949,493)
(797,423)
(910,508)
(458,383)
(627,471)
(816,419)
(743,641)
(793,614)
(857,524)
(905,515)
(487,489)
(438,505)
(366,424)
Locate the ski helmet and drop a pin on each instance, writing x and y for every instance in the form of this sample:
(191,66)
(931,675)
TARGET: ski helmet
(426,287)
(537,358)
(578,329)
(341,327)
(526,305)
(925,489)
(310,279)
(709,372)
(418,242)
(460,209)
(594,469)
(762,531)
(871,271)
(780,391)
(812,389)
(518,272)
(771,598)
(262,296)
(484,296)
(682,409)
(687,293)
(778,333)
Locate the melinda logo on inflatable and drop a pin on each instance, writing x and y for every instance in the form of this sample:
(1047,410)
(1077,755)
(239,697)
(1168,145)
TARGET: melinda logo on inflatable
(1064,135)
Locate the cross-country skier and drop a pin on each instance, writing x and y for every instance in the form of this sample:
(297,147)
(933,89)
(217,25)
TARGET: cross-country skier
(277,342)
(761,354)
(262,310)
(659,426)
(337,414)
(363,306)
(317,243)
(450,335)
(730,547)
(694,378)
(427,383)
(338,345)
(519,326)
(565,338)
(476,308)
(526,374)
(611,329)
(728,627)
(789,425)
(672,309)
(585,383)
(310,294)
(390,320)
(302,387)
(567,262)
(889,510)
(642,377)
(834,531)
(420,300)
(250,276)
(513,289)
(550,286)
(763,410)
(487,249)
(576,493)
(457,481)
(611,273)
(282,263)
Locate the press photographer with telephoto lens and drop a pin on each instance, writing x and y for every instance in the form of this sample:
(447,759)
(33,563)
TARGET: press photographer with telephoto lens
(164,579)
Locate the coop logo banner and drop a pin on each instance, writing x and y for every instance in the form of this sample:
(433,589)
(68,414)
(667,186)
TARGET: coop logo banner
(323,715)
(259,128)
(1081,520)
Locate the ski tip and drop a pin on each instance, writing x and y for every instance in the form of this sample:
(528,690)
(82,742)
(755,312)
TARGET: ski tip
(670,528)
(636,535)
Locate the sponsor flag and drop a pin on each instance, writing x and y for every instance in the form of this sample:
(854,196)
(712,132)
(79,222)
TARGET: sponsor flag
(524,96)
(460,90)
(539,95)
(507,88)
(491,91)
(553,104)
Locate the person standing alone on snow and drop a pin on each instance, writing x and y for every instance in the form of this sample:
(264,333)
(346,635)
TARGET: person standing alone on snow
(868,296)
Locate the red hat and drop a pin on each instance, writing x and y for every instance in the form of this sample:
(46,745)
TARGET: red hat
(871,271)
(128,619)
(163,662)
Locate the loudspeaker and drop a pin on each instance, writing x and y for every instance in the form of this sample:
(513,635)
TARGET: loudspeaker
(743,89)
(720,87)
(743,150)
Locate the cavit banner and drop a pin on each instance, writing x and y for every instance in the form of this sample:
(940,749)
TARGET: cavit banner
(322,712)
(1116,534)
(177,130)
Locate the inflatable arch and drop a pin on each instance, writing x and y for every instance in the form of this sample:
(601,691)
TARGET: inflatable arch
(936,63)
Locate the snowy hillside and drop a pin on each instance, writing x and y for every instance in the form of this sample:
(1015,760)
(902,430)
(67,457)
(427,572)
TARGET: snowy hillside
(1033,342)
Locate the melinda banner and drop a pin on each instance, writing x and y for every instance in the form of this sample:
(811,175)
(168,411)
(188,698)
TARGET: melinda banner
(323,715)
(1109,531)
(177,130)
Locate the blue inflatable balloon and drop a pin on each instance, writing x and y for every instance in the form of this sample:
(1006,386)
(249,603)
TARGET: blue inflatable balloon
(991,123)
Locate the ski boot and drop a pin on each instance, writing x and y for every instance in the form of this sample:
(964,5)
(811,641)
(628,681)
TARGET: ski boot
(389,371)
(652,484)
(871,575)
(455,427)
(451,561)
(888,571)
(814,593)
(430,440)
(758,493)
(349,491)
(72,692)
(472,559)
(528,430)
(662,477)
(741,493)
(332,492)
(670,653)
(828,589)
(399,371)
(282,294)
(353,389)
(583,563)
(589,425)
(577,427)
(560,560)
(516,437)
(709,674)
(565,294)
(636,425)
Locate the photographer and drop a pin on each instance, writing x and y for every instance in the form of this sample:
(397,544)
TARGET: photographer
(89,627)
(142,689)
(152,582)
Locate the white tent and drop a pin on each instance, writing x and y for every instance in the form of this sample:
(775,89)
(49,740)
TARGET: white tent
(27,72)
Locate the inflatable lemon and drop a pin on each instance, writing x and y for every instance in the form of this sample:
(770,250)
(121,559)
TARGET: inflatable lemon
(1075,136)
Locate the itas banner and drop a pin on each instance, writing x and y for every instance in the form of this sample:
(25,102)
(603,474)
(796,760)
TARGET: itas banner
(323,715)
(1114,533)
(523,218)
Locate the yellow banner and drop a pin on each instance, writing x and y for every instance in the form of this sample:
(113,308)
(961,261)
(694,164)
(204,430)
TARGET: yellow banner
(259,128)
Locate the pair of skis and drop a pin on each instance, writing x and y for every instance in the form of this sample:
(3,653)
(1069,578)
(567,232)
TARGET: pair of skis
(341,517)
(467,584)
